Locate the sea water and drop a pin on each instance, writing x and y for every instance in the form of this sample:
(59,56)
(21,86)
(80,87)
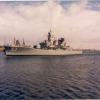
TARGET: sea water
(49,77)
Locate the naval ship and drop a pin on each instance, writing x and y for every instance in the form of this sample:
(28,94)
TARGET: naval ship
(49,47)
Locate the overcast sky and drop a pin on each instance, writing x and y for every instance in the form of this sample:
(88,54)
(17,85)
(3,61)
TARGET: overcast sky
(79,25)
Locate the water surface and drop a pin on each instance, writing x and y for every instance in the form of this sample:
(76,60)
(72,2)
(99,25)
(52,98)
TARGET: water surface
(49,78)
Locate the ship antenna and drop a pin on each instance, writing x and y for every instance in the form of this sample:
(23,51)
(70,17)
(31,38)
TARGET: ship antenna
(23,42)
(14,41)
(50,30)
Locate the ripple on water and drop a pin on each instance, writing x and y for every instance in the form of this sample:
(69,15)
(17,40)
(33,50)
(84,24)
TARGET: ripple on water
(48,78)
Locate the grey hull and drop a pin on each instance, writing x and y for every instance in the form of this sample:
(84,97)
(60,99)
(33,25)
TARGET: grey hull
(39,52)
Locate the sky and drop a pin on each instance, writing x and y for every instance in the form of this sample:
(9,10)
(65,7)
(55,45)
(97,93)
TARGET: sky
(46,0)
(77,22)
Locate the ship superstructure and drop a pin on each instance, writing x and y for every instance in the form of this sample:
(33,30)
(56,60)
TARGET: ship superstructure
(52,43)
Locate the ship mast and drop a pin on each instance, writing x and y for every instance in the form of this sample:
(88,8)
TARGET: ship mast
(23,43)
(14,43)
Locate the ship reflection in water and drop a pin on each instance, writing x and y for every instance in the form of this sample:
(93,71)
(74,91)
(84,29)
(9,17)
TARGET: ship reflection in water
(49,78)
